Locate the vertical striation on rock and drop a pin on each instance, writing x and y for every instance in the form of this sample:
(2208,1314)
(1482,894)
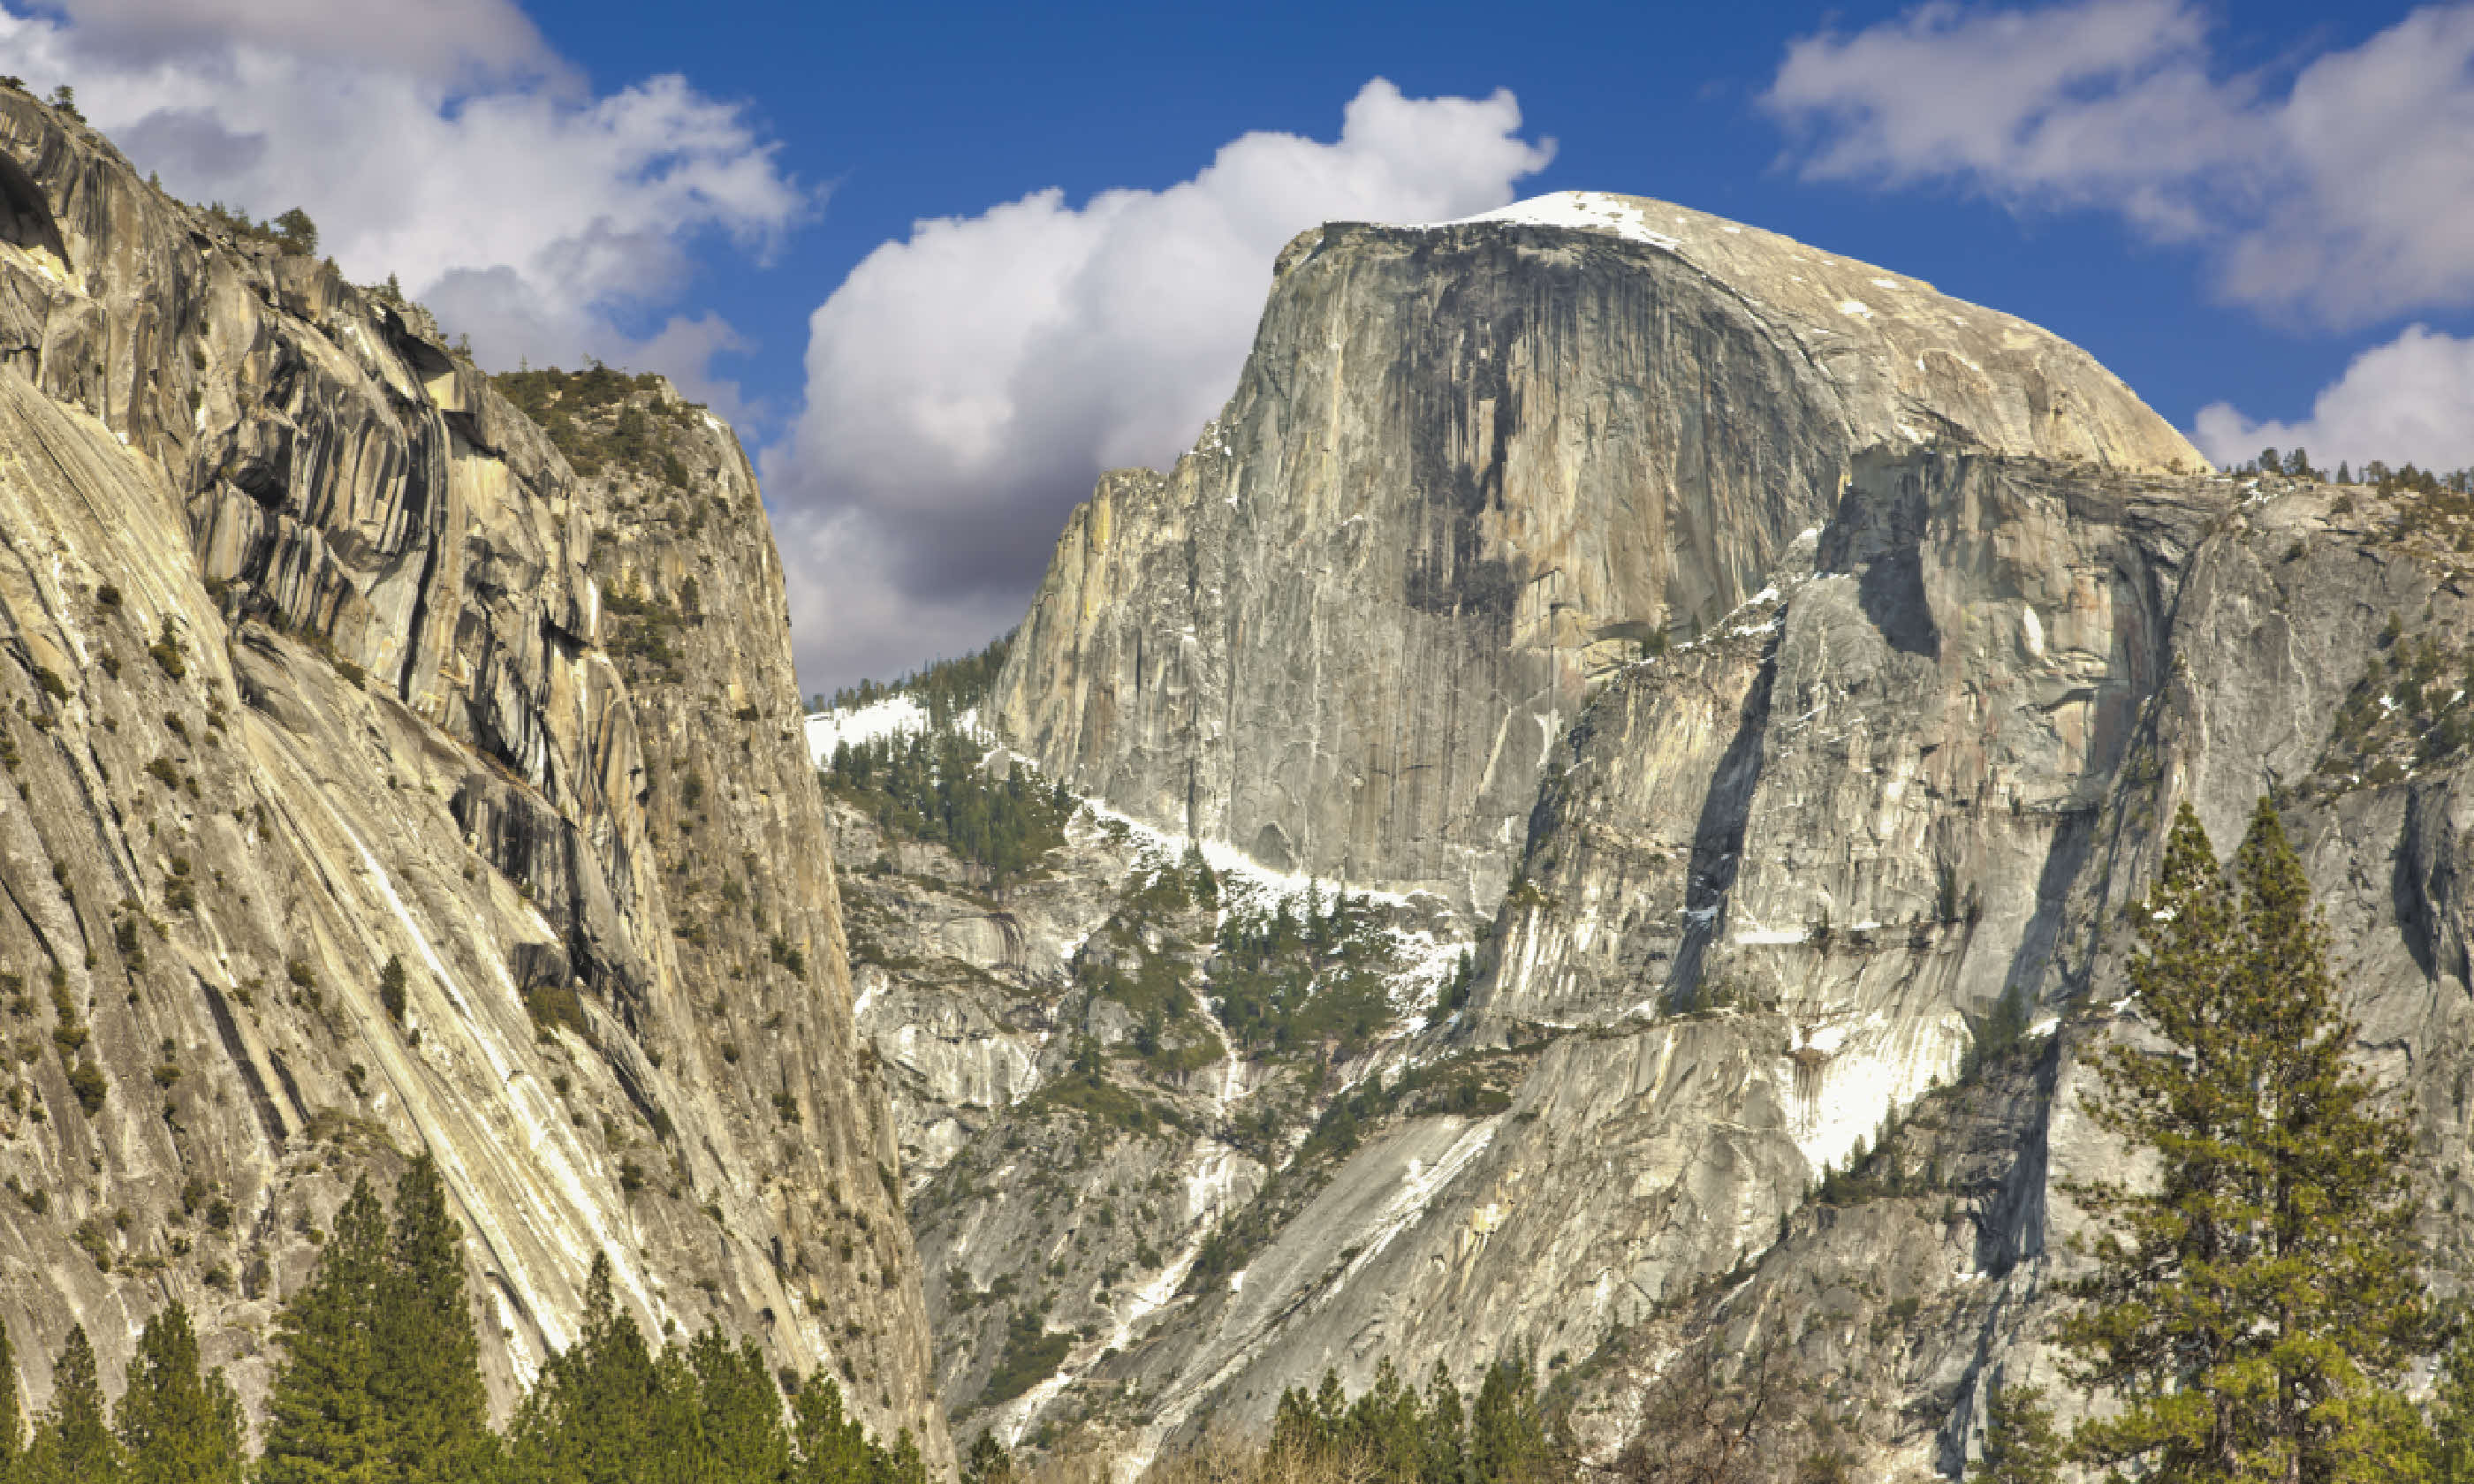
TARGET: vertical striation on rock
(1466,468)
(316,654)
(1799,666)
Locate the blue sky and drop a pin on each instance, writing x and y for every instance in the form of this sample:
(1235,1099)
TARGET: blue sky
(2246,208)
(936,110)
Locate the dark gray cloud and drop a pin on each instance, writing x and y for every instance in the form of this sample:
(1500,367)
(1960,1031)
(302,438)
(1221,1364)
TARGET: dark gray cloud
(192,144)
(440,39)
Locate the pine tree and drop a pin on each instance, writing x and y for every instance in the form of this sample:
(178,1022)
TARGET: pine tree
(178,1425)
(1445,1457)
(391,991)
(323,1424)
(987,1462)
(833,1448)
(2251,1304)
(12,1427)
(1386,1432)
(743,1442)
(2448,1452)
(296,232)
(426,1373)
(903,1465)
(1297,1433)
(1507,1430)
(2020,1444)
(674,1441)
(607,1410)
(74,1445)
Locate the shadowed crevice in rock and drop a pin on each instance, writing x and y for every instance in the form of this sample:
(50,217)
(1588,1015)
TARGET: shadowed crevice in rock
(1877,534)
(1893,591)
(25,216)
(227,1031)
(1718,841)
(291,1088)
(1456,375)
(2011,1230)
(2424,878)
(2074,842)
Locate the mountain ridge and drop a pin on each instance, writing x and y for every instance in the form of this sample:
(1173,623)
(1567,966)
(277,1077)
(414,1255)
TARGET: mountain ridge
(1587,440)
(327,658)
(1788,844)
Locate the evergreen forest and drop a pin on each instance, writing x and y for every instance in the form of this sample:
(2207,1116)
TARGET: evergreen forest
(929,786)
(946,688)
(378,1381)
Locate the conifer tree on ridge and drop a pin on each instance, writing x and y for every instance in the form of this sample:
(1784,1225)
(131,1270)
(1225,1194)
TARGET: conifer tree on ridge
(425,1378)
(2253,1306)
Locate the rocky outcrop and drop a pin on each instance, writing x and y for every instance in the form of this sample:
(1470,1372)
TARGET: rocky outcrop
(1787,895)
(320,657)
(1799,668)
(1466,469)
(1777,882)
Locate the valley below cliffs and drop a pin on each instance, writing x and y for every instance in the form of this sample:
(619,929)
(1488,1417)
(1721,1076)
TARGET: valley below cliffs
(393,767)
(1774,677)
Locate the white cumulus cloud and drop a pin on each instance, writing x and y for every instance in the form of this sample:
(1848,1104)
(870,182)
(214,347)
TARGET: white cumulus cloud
(2409,402)
(966,384)
(438,141)
(2342,193)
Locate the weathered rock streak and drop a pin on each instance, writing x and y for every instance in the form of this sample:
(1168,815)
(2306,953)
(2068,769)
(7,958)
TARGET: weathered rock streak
(312,655)
(1468,468)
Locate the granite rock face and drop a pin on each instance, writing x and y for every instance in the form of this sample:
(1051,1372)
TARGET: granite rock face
(317,653)
(1800,669)
(1466,468)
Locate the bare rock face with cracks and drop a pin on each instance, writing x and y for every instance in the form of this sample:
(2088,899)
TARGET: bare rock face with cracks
(318,657)
(1588,819)
(1777,675)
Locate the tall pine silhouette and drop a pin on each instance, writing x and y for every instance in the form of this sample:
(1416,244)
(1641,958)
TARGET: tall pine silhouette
(425,1377)
(322,1423)
(741,1413)
(2020,1445)
(12,1427)
(178,1425)
(606,1410)
(2252,1304)
(833,1447)
(74,1445)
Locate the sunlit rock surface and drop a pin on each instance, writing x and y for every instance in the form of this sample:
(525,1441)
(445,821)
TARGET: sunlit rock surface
(1466,468)
(1798,668)
(316,654)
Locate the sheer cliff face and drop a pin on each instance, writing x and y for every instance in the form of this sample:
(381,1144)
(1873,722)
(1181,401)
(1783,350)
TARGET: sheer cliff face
(1467,468)
(2100,650)
(1954,625)
(315,653)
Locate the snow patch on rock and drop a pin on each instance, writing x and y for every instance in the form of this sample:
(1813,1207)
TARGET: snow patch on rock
(1593,211)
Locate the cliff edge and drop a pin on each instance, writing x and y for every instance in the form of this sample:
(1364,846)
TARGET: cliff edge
(386,772)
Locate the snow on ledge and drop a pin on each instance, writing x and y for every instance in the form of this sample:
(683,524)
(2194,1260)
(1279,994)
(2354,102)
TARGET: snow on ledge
(1593,211)
(1770,937)
(894,716)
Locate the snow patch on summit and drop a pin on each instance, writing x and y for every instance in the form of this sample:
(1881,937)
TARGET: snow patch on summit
(1588,210)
